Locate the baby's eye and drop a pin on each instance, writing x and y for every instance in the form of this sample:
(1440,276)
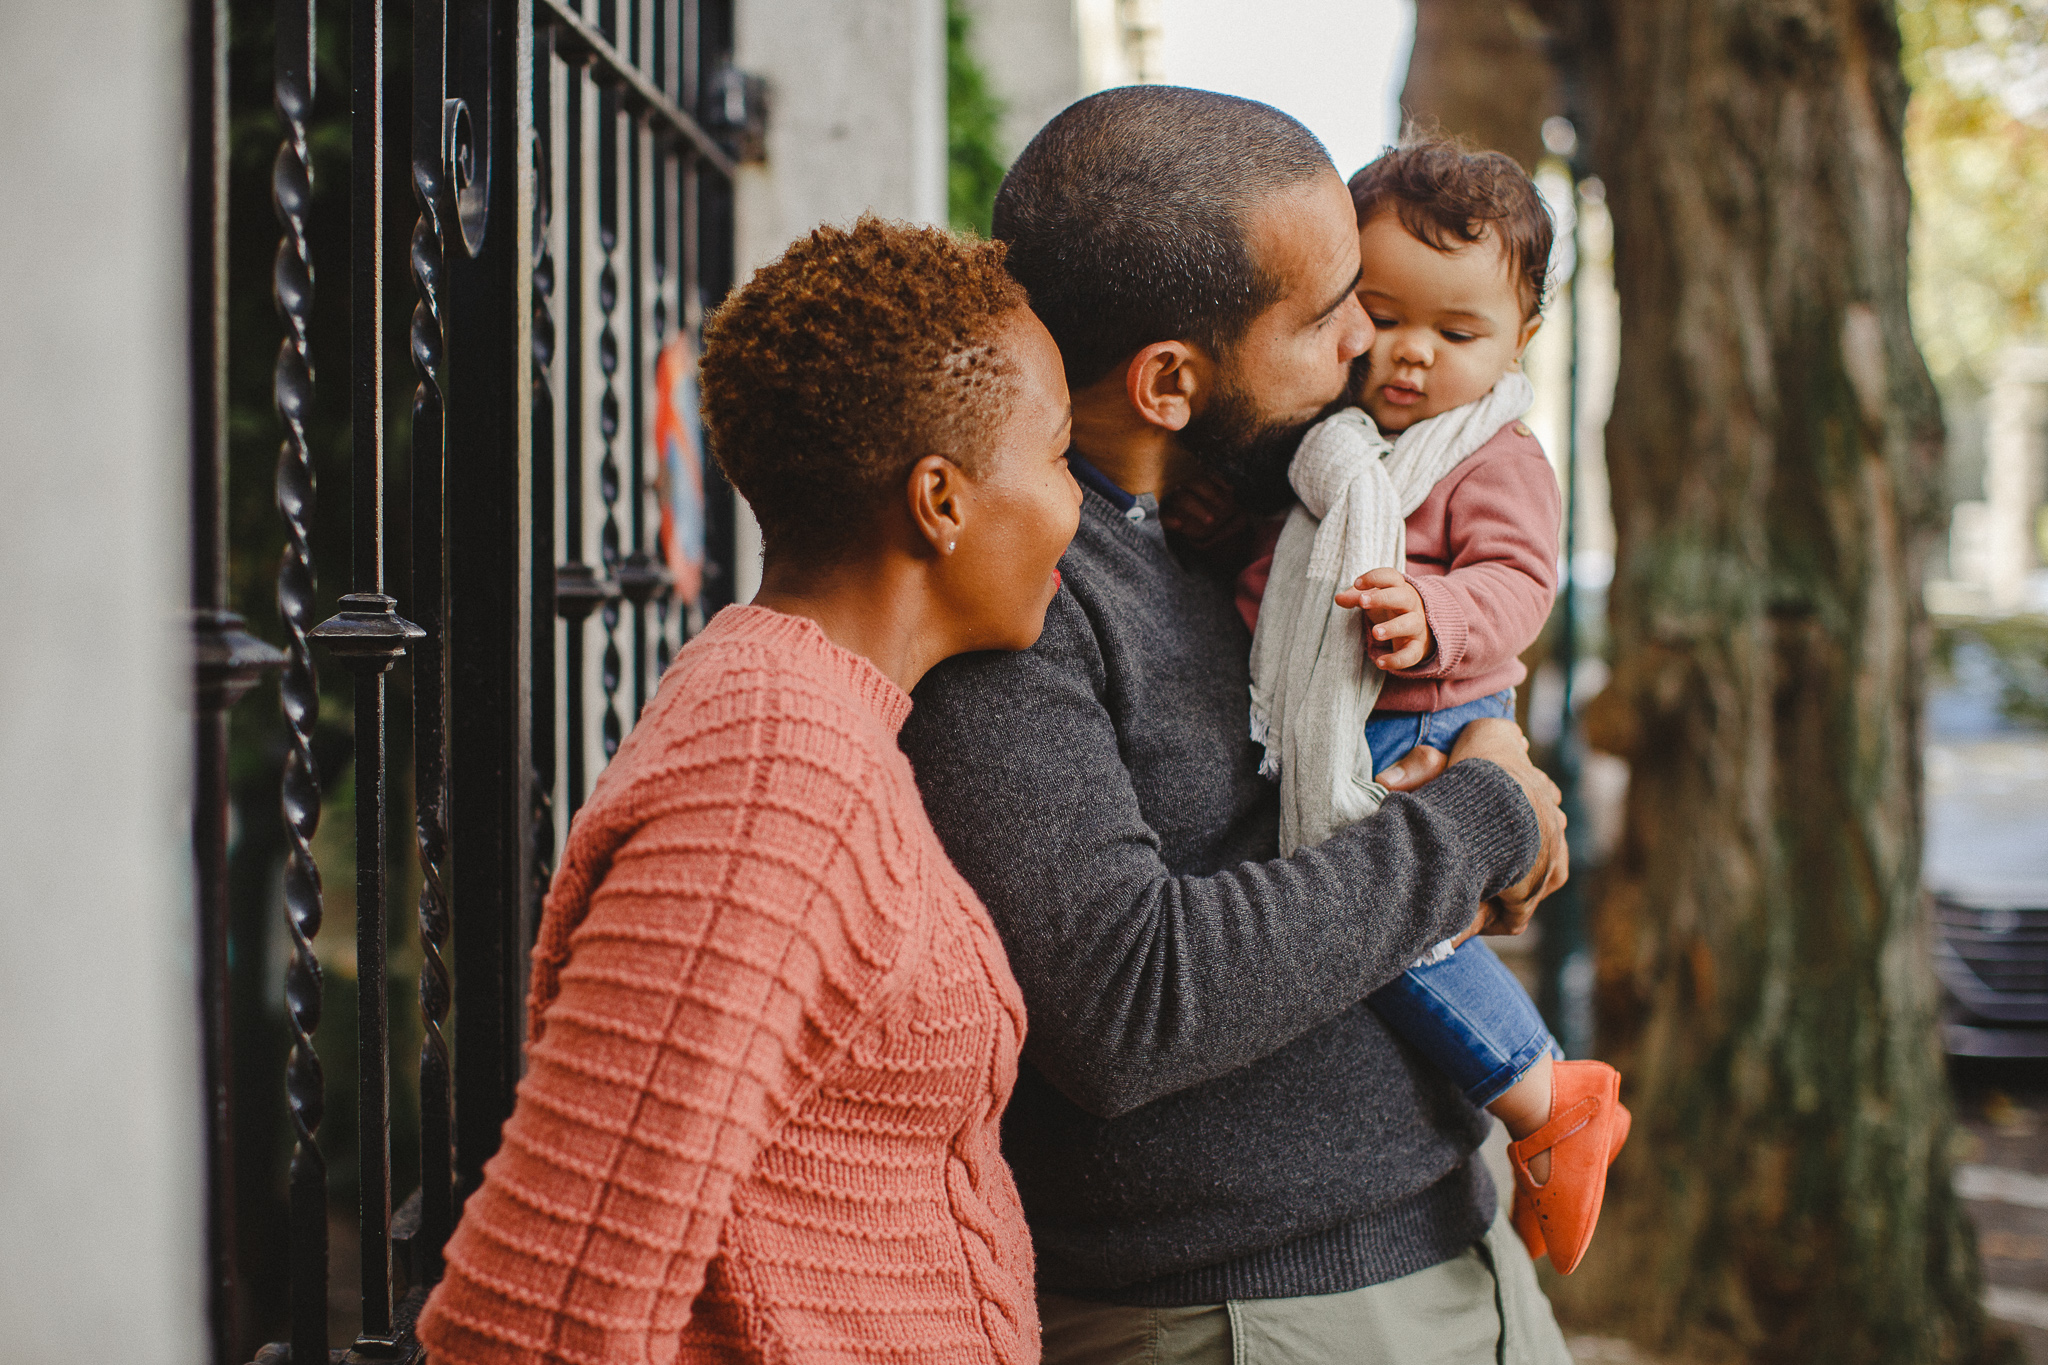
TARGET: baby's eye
(1380,322)
(1457,336)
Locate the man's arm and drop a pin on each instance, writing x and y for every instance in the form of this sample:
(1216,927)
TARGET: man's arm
(1140,983)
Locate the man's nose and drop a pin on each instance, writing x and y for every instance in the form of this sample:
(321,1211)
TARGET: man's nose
(1357,336)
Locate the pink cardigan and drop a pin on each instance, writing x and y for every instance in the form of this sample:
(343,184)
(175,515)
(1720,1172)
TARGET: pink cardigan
(1482,551)
(773,1032)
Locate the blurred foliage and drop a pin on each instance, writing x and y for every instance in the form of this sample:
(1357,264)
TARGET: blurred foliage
(974,159)
(2018,650)
(1977,155)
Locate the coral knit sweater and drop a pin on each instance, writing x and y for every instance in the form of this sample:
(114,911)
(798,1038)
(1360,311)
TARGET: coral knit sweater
(773,1033)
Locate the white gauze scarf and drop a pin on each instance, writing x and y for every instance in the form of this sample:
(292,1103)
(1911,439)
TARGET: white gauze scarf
(1312,685)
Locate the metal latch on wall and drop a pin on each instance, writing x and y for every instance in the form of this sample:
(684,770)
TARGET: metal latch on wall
(734,110)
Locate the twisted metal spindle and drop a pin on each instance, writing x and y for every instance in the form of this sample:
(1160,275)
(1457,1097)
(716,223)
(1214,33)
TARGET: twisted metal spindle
(429,675)
(608,407)
(543,479)
(544,602)
(291,190)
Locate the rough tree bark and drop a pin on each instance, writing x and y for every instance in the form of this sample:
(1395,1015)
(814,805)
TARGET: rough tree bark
(1773,453)
(1480,69)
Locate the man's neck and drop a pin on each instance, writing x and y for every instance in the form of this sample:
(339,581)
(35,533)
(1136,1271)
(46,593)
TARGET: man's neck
(1132,453)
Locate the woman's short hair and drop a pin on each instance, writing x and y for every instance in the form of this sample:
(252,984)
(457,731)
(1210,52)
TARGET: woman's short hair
(1450,196)
(841,364)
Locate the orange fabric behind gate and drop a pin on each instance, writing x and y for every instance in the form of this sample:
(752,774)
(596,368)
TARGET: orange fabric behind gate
(773,1033)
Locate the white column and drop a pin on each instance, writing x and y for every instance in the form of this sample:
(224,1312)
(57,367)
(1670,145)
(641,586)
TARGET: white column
(1031,52)
(2016,448)
(856,122)
(101,1249)
(857,116)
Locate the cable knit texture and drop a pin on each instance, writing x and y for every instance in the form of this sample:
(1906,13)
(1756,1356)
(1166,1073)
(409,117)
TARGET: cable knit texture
(772,1035)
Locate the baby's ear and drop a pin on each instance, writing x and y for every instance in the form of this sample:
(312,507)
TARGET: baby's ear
(1530,327)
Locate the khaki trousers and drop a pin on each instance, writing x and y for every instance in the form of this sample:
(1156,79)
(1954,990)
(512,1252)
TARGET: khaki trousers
(1481,1308)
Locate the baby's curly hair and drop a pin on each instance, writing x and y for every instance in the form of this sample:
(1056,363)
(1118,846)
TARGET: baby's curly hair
(847,360)
(1449,196)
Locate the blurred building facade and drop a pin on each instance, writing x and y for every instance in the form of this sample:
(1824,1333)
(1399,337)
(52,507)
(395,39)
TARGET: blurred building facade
(1998,529)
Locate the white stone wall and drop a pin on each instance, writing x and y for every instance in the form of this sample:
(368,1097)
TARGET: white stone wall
(1030,51)
(101,1249)
(857,121)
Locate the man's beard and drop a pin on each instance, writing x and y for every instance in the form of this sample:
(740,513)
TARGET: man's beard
(1248,451)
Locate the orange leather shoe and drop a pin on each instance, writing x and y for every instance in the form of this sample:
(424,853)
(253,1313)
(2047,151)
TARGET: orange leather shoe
(1588,1125)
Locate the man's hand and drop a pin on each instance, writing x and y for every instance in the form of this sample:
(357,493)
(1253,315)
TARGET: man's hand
(1210,527)
(1502,742)
(1400,635)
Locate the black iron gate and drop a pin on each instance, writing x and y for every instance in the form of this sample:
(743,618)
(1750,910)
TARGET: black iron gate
(571,162)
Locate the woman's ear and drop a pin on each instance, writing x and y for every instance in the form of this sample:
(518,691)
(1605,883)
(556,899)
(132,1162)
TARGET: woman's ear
(938,495)
(1162,380)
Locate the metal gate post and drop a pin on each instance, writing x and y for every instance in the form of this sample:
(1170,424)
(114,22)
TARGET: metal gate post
(489,322)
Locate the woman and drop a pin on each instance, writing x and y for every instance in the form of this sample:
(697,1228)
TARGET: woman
(772,1030)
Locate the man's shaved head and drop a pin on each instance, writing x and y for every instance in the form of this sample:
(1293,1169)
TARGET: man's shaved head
(1127,219)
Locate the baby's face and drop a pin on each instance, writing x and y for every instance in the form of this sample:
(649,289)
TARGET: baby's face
(1448,323)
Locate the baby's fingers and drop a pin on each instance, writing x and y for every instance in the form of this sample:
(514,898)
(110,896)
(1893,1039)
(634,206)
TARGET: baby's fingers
(1407,626)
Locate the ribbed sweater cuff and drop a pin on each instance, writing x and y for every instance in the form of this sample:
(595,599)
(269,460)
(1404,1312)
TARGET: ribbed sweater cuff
(1500,830)
(1426,1229)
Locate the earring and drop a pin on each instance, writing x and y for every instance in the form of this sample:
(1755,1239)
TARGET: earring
(952,545)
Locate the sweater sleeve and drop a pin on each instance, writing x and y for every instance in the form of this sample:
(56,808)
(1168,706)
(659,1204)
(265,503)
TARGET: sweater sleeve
(1490,603)
(1141,982)
(731,946)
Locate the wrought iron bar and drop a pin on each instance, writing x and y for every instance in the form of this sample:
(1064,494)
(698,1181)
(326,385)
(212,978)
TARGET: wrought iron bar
(642,576)
(544,474)
(489,443)
(369,636)
(228,661)
(609,550)
(578,41)
(662,312)
(291,190)
(429,659)
(579,590)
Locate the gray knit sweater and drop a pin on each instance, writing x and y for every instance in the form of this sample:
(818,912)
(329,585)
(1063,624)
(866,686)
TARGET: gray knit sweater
(1208,1110)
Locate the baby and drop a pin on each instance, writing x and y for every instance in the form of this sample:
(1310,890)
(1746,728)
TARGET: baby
(1446,541)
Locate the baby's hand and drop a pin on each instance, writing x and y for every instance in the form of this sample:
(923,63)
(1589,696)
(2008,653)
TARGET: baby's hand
(1400,634)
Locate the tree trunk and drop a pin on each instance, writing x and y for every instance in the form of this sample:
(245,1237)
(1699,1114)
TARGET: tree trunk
(1762,939)
(1480,70)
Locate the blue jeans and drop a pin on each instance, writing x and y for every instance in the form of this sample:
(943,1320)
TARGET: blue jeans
(1467,1014)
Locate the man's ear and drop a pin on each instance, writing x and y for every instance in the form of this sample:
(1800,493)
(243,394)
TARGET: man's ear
(1162,382)
(937,494)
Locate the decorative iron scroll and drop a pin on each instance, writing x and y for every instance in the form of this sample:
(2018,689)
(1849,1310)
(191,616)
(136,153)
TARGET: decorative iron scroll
(291,192)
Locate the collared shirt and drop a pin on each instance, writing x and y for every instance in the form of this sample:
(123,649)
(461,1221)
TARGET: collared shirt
(1141,509)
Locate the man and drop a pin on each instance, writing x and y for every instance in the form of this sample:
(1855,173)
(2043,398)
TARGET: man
(1223,1155)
